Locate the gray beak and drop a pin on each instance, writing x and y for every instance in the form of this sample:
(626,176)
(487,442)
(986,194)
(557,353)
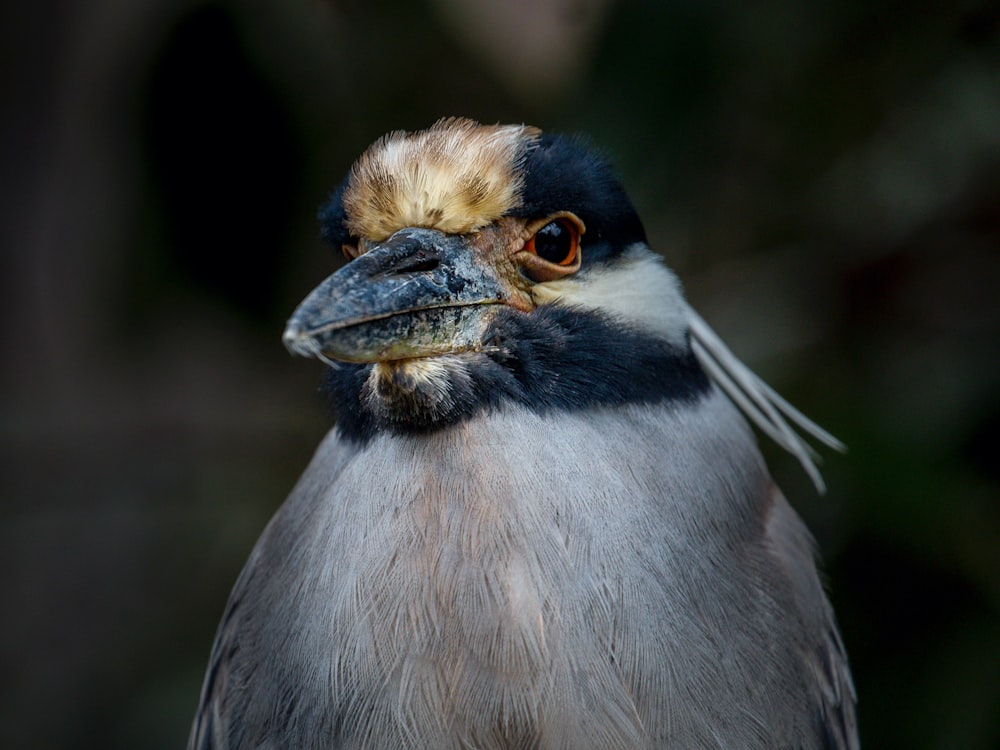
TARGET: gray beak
(420,293)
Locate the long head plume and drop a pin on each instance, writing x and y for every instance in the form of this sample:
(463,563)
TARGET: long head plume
(758,401)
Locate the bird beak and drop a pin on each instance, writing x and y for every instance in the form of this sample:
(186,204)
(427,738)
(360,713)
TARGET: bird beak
(420,293)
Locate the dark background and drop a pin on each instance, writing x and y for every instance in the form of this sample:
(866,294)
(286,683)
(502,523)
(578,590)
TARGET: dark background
(825,177)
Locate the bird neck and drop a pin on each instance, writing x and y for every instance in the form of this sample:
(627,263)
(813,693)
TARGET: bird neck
(554,358)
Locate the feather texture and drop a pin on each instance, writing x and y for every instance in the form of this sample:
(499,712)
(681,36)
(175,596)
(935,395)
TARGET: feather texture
(469,600)
(457,176)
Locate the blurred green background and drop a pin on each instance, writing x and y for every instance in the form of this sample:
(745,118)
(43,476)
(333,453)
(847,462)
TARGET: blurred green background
(825,177)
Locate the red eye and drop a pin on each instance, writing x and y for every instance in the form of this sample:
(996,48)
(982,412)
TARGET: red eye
(557,242)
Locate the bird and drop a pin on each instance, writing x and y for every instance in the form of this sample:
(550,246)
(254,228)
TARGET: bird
(541,518)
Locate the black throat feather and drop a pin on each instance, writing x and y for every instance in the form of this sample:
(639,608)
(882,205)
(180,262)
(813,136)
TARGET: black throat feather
(551,359)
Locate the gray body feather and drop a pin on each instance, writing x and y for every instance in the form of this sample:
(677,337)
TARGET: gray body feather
(521,581)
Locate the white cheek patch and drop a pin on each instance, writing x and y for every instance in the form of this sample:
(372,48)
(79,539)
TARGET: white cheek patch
(637,288)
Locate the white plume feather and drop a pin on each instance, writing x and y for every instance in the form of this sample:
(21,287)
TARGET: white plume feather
(758,401)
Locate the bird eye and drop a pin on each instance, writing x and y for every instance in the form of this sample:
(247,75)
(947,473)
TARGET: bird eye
(557,242)
(553,250)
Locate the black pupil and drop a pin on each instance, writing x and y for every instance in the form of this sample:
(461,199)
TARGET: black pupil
(554,242)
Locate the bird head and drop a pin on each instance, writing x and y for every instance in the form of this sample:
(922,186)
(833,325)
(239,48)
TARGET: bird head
(457,238)
(491,265)
(446,227)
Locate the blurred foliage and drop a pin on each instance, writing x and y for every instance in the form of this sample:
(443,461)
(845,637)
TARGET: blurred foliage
(825,177)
